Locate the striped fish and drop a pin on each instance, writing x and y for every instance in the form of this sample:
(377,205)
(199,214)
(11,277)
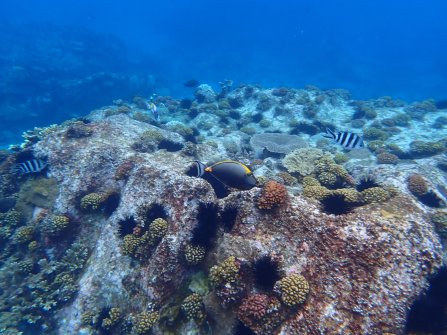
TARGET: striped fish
(346,139)
(31,166)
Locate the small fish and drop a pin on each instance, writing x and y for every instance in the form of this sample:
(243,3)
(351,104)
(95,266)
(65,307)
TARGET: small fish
(31,166)
(153,109)
(346,139)
(191,83)
(230,173)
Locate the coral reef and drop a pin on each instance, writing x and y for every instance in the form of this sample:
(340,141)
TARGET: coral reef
(122,228)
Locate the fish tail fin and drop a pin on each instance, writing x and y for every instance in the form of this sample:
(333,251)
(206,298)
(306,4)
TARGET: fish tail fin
(330,134)
(200,168)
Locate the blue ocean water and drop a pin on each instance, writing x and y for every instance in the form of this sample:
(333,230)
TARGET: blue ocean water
(60,59)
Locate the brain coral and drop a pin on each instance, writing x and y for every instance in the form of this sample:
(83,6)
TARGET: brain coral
(273,195)
(292,289)
(277,143)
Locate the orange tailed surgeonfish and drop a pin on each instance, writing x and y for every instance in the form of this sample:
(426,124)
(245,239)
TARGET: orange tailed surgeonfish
(230,173)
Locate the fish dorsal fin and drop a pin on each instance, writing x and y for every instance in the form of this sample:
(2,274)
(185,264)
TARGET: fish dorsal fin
(246,169)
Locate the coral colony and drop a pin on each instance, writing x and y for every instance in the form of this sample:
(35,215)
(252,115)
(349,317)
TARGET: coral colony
(107,226)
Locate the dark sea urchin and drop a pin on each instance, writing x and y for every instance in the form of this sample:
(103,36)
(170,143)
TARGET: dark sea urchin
(366,182)
(336,204)
(267,272)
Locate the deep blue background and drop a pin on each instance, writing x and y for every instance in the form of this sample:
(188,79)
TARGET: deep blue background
(372,48)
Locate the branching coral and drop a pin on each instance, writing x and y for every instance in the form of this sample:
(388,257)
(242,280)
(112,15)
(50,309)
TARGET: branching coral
(55,224)
(302,161)
(227,281)
(273,195)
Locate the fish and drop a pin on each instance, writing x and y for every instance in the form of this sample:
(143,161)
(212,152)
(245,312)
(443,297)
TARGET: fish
(154,110)
(230,173)
(346,139)
(31,166)
(191,83)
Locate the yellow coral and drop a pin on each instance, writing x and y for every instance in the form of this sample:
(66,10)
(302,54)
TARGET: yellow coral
(374,194)
(351,195)
(316,192)
(112,319)
(92,201)
(224,273)
(145,321)
(23,235)
(292,289)
(192,307)
(194,254)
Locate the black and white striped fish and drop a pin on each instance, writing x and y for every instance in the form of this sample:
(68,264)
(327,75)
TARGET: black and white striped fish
(31,166)
(346,139)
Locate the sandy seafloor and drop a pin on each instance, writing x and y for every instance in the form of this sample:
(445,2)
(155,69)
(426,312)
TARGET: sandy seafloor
(117,236)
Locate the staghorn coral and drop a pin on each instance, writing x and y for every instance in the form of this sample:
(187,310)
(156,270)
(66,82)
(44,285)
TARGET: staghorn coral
(292,290)
(192,308)
(417,184)
(273,195)
(261,313)
(145,321)
(194,254)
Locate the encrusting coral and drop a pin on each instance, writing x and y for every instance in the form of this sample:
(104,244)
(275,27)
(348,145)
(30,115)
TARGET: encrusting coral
(261,313)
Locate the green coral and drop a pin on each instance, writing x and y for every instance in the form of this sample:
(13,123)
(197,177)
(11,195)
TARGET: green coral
(340,158)
(225,273)
(293,289)
(131,244)
(55,224)
(327,179)
(40,192)
(145,321)
(374,194)
(92,201)
(192,307)
(331,174)
(194,254)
